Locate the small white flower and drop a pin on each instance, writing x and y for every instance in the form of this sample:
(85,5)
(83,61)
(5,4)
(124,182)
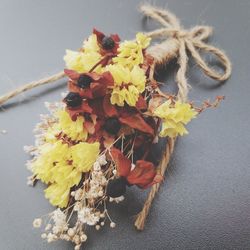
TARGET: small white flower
(102,160)
(97,166)
(30,181)
(51,237)
(28,149)
(83,238)
(66,237)
(119,199)
(103,181)
(86,215)
(112,224)
(37,222)
(71,232)
(77,247)
(48,227)
(76,239)
(60,221)
(78,194)
(44,236)
(77,206)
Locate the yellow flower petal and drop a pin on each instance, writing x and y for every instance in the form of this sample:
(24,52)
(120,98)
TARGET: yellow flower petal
(120,74)
(130,53)
(50,154)
(81,62)
(84,155)
(128,84)
(138,78)
(61,166)
(118,96)
(58,195)
(132,95)
(91,45)
(143,40)
(73,129)
(174,118)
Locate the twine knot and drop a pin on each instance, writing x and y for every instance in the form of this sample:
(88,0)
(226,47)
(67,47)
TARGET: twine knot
(178,34)
(192,41)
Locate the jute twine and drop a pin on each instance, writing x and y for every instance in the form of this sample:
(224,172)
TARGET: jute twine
(31,85)
(177,45)
(177,42)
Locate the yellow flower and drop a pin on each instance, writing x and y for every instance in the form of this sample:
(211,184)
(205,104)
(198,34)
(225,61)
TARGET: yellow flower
(143,40)
(91,44)
(65,173)
(61,166)
(65,177)
(84,155)
(130,53)
(73,129)
(83,61)
(46,162)
(174,118)
(128,84)
(58,195)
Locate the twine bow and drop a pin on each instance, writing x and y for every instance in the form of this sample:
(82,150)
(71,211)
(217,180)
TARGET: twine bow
(178,44)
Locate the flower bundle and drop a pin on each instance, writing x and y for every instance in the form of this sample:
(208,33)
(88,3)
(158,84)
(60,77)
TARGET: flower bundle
(96,142)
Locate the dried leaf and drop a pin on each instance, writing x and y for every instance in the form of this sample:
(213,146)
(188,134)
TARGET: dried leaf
(72,74)
(141,103)
(143,175)
(137,122)
(122,163)
(74,112)
(109,109)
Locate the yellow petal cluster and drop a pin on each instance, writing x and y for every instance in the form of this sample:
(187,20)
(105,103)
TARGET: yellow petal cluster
(61,166)
(91,45)
(73,129)
(174,118)
(82,61)
(128,84)
(130,53)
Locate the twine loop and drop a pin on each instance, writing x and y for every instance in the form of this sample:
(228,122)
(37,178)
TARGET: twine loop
(192,41)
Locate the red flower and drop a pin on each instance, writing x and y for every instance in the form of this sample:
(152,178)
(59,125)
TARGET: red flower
(89,85)
(143,175)
(107,44)
(81,110)
(127,116)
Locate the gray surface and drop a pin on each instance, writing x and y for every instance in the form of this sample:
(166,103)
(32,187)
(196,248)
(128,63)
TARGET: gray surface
(204,202)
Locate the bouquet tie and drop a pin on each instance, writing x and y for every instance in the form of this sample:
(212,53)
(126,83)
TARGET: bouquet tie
(178,43)
(86,146)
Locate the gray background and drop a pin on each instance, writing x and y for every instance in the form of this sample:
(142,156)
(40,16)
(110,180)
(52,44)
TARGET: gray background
(204,202)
